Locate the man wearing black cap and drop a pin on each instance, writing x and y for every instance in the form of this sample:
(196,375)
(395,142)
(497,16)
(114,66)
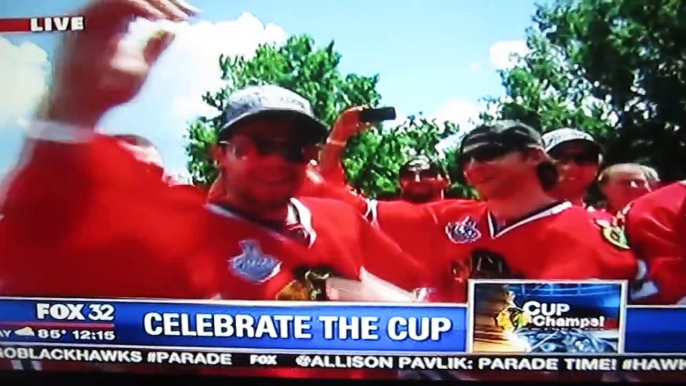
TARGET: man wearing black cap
(520,231)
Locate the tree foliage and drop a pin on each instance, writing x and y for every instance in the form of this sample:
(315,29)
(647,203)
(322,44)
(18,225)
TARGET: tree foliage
(298,66)
(372,159)
(614,68)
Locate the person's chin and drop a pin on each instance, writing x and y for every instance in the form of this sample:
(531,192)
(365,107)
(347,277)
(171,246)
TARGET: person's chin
(275,196)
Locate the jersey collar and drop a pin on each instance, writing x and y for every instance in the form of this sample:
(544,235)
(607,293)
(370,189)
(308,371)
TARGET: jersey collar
(495,232)
(302,213)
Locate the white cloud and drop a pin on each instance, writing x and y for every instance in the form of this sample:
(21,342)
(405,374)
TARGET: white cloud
(475,66)
(191,63)
(24,71)
(464,113)
(460,111)
(501,53)
(188,68)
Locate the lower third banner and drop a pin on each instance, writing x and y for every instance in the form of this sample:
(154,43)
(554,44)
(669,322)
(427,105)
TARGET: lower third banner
(234,326)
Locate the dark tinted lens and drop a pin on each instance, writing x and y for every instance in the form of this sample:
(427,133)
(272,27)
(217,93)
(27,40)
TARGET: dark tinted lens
(293,152)
(428,174)
(410,174)
(585,158)
(486,153)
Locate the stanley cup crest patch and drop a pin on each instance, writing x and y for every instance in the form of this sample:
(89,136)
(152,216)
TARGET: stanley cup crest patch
(252,264)
(464,231)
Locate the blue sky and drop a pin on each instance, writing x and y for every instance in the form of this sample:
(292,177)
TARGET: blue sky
(438,57)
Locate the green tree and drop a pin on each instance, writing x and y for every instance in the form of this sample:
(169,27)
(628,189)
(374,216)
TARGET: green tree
(297,65)
(614,68)
(372,159)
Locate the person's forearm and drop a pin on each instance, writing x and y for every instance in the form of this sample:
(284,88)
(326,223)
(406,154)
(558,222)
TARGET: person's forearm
(330,158)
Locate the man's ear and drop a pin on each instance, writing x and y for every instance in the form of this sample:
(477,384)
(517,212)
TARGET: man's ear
(217,153)
(537,155)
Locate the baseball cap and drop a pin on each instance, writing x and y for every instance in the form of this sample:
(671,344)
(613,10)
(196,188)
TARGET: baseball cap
(557,137)
(420,163)
(505,133)
(269,100)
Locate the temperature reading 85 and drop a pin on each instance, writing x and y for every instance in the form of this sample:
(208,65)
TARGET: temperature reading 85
(51,334)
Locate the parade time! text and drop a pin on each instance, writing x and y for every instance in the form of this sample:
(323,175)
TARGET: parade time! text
(296,326)
(551,315)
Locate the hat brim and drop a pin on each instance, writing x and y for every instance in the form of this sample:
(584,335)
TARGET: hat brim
(475,146)
(311,127)
(593,144)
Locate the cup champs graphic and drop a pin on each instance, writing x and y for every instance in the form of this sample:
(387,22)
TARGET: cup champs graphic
(561,317)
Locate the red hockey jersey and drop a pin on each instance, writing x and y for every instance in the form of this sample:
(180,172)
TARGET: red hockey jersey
(86,220)
(655,225)
(558,242)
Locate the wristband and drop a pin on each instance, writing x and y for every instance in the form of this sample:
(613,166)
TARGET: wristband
(336,143)
(58,132)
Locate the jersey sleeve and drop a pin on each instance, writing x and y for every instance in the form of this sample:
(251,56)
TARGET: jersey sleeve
(48,190)
(83,217)
(386,260)
(655,226)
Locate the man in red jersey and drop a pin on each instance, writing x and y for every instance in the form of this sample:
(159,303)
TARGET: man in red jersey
(520,231)
(81,205)
(655,224)
(577,157)
(420,180)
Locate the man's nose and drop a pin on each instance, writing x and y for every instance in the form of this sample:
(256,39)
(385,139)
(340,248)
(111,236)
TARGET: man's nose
(417,177)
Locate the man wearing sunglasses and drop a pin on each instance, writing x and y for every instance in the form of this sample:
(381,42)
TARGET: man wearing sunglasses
(521,231)
(84,217)
(577,157)
(422,180)
(263,151)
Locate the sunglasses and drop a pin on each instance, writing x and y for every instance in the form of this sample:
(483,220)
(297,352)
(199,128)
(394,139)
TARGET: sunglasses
(586,158)
(486,153)
(244,147)
(421,173)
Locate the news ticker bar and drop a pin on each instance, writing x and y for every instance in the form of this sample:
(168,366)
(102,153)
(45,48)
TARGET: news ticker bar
(213,358)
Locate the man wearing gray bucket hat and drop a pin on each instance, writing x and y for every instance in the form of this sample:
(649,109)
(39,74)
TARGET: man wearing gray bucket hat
(577,156)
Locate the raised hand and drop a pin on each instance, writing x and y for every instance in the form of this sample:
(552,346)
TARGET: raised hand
(94,71)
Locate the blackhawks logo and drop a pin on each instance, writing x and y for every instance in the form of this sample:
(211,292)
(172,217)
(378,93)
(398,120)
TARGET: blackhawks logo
(308,285)
(613,234)
(512,318)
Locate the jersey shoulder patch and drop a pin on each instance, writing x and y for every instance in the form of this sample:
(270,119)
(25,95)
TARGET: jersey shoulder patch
(613,234)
